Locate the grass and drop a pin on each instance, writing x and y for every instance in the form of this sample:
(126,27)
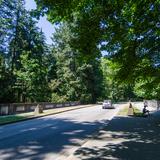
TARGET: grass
(124,111)
(138,113)
(13,118)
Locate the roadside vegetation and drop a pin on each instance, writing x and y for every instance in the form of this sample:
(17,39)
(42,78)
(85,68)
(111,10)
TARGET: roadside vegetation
(124,111)
(12,118)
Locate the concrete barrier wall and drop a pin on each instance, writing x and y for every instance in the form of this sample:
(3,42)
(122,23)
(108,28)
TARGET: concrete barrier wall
(154,103)
(15,108)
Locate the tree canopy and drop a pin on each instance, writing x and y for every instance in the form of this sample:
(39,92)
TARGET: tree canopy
(101,49)
(130,30)
(22,50)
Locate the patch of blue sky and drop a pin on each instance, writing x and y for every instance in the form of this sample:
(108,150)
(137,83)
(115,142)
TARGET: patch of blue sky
(43,23)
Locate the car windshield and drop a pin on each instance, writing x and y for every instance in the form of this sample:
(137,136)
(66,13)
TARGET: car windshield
(107,101)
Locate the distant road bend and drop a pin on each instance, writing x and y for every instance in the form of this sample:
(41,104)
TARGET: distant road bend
(52,137)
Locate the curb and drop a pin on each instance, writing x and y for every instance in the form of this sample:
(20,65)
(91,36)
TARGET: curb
(36,117)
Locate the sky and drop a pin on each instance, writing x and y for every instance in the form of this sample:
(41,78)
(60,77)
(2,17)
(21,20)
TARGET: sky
(43,23)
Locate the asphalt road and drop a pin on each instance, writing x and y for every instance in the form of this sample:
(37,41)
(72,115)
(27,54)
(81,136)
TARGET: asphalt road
(52,137)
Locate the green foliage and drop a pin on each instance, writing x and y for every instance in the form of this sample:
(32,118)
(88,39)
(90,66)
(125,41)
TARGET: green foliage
(72,69)
(31,79)
(5,81)
(147,89)
(77,80)
(23,72)
(130,30)
(112,88)
(58,99)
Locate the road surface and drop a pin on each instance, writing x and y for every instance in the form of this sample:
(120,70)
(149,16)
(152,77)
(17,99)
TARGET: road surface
(52,137)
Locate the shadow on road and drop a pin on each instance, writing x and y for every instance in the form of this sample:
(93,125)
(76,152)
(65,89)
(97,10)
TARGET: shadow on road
(52,136)
(125,138)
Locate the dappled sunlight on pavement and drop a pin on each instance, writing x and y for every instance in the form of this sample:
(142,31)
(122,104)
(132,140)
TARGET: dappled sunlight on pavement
(126,138)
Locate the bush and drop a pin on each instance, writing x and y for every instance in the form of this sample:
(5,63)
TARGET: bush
(58,99)
(85,98)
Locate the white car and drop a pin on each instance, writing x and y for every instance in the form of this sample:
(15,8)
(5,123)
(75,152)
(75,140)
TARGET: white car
(107,104)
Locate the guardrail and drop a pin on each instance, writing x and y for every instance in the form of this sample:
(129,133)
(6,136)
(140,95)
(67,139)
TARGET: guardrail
(15,108)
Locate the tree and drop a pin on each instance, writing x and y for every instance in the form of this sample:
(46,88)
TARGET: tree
(75,80)
(6,23)
(112,88)
(20,36)
(31,79)
(11,13)
(31,76)
(146,88)
(5,81)
(130,30)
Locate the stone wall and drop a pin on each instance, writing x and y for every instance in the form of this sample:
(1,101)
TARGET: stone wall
(15,108)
